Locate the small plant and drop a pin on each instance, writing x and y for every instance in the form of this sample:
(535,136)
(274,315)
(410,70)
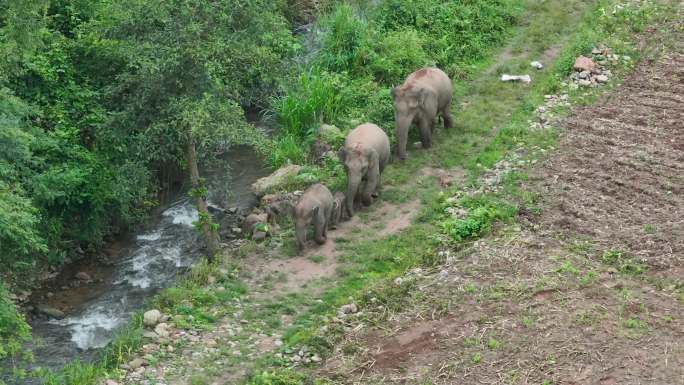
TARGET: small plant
(624,264)
(635,323)
(477,358)
(649,228)
(493,343)
(528,322)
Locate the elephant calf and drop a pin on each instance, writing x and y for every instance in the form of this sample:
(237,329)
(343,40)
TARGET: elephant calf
(314,207)
(424,96)
(365,154)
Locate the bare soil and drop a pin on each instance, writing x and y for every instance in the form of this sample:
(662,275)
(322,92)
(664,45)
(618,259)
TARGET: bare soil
(536,302)
(320,261)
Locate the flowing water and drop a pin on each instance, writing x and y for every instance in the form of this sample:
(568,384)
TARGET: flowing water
(148,262)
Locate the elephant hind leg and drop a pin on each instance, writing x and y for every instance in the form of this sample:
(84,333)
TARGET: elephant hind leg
(446,116)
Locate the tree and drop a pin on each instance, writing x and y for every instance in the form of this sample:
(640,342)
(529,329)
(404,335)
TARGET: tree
(189,68)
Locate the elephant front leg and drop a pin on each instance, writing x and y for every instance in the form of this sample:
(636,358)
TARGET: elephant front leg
(402,138)
(425,126)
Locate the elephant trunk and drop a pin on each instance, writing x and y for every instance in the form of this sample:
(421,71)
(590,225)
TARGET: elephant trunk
(352,189)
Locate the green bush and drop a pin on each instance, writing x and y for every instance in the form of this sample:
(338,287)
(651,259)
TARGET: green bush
(482,212)
(395,53)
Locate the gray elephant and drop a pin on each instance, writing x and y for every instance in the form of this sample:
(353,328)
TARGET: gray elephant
(338,208)
(425,95)
(314,207)
(365,154)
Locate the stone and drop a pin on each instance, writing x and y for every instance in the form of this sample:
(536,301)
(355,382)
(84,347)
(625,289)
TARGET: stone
(417,145)
(276,179)
(249,224)
(316,358)
(150,334)
(596,51)
(601,78)
(319,149)
(536,64)
(137,363)
(584,75)
(50,311)
(259,236)
(83,276)
(329,134)
(349,309)
(162,330)
(512,78)
(584,82)
(152,317)
(583,63)
(210,343)
(111,382)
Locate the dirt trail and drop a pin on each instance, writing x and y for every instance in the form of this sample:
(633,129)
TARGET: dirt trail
(538,303)
(316,262)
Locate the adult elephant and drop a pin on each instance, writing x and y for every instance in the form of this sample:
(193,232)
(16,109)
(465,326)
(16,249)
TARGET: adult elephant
(424,96)
(365,154)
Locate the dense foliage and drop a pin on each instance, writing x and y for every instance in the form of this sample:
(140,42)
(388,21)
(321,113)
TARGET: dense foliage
(98,98)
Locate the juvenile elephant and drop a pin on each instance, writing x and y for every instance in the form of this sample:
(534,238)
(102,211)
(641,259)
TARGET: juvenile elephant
(425,95)
(365,154)
(314,207)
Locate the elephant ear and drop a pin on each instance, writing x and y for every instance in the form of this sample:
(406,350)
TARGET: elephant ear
(342,154)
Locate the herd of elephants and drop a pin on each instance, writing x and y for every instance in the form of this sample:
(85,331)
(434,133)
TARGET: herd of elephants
(425,95)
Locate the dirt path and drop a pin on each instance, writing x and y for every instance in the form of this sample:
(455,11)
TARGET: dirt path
(319,262)
(588,292)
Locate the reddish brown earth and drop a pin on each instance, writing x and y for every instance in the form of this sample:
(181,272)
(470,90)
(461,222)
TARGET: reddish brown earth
(536,303)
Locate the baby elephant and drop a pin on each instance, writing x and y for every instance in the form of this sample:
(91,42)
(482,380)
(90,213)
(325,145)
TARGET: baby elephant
(314,207)
(365,154)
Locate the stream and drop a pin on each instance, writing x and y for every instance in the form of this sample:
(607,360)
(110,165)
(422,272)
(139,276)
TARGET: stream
(146,263)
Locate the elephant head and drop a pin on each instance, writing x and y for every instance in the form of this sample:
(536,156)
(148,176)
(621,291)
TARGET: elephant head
(409,104)
(302,222)
(359,162)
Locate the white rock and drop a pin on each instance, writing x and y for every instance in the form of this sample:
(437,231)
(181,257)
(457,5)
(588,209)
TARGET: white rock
(510,78)
(111,382)
(536,64)
(316,358)
(152,317)
(349,309)
(601,78)
(584,82)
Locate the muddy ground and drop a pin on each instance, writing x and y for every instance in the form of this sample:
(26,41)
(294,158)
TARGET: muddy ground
(589,291)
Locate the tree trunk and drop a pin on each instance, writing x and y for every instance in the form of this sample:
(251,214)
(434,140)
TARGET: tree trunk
(211,237)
